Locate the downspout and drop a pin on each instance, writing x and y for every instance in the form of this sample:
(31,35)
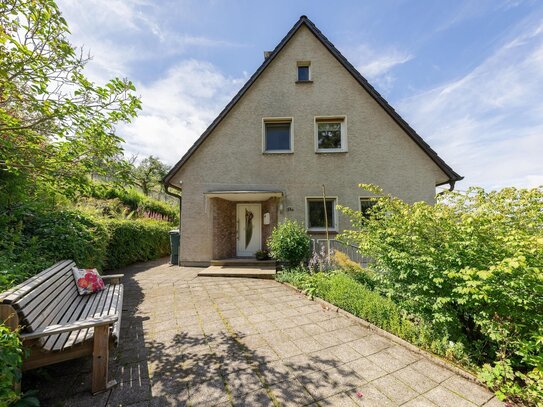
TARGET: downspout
(451,187)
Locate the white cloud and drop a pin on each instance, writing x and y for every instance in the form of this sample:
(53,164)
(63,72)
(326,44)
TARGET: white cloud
(178,104)
(488,124)
(177,109)
(119,34)
(381,64)
(377,66)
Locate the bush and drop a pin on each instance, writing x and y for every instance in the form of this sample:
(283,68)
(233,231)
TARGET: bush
(135,201)
(11,362)
(134,241)
(289,242)
(34,238)
(363,275)
(473,266)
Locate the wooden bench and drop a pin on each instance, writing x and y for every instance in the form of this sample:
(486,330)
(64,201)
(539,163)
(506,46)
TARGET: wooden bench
(57,324)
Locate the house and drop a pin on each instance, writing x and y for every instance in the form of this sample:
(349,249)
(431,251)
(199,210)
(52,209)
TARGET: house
(306,118)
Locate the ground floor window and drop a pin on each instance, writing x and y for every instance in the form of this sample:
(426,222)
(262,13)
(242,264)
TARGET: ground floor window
(365,205)
(315,213)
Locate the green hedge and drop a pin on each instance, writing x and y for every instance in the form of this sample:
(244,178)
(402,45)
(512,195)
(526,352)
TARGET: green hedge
(33,239)
(133,241)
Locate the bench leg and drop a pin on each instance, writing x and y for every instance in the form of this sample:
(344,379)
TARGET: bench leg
(100,360)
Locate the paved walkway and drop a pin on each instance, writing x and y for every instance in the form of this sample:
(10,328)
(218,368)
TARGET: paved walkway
(208,341)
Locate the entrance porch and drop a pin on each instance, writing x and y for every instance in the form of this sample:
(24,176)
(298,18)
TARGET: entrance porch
(242,222)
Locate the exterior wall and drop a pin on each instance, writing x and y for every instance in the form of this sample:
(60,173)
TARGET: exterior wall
(379,151)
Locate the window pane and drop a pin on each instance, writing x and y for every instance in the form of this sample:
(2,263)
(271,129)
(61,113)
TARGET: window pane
(303,73)
(365,205)
(316,213)
(277,136)
(329,135)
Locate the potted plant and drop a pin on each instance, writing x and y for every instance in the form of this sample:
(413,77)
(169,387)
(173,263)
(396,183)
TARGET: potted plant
(262,255)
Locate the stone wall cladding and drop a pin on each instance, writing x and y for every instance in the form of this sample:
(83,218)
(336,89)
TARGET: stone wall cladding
(224,228)
(270,206)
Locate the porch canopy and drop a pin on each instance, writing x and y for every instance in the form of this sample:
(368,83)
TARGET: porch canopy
(244,196)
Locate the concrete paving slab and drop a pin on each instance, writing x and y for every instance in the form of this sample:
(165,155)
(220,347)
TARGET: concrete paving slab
(202,341)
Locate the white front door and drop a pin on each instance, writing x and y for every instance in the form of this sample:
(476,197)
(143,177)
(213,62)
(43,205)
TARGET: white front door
(249,224)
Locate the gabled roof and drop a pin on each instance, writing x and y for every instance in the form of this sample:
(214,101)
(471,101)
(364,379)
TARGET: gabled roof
(451,174)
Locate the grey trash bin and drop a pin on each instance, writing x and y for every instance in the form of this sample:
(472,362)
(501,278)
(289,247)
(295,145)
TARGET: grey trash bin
(174,246)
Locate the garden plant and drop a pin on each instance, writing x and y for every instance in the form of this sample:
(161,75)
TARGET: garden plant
(462,278)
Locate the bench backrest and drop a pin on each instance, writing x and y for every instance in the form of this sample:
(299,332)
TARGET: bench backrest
(42,298)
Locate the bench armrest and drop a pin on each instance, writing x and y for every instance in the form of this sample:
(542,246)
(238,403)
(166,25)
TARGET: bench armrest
(113,277)
(73,326)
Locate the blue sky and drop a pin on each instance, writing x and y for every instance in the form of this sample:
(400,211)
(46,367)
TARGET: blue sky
(467,75)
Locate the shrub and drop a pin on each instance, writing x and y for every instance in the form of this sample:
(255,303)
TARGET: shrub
(289,242)
(344,262)
(472,265)
(135,201)
(33,238)
(11,362)
(134,241)
(363,275)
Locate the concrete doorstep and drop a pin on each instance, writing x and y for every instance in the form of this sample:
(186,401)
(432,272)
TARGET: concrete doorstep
(265,272)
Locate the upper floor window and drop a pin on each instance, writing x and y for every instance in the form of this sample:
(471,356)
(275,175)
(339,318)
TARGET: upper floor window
(330,133)
(304,73)
(278,135)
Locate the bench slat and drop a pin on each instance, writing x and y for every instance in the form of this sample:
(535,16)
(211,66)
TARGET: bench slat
(119,308)
(95,312)
(110,308)
(51,317)
(72,314)
(70,327)
(86,313)
(100,310)
(34,297)
(27,286)
(45,301)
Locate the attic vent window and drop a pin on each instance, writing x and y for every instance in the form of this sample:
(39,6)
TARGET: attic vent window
(304,74)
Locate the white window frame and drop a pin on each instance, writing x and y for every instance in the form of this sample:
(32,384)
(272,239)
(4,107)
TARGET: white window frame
(331,119)
(277,120)
(304,64)
(334,213)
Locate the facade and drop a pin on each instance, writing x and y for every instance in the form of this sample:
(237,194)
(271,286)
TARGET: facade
(305,119)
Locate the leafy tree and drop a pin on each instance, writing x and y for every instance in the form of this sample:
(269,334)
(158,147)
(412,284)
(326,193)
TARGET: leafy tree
(472,265)
(149,174)
(56,126)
